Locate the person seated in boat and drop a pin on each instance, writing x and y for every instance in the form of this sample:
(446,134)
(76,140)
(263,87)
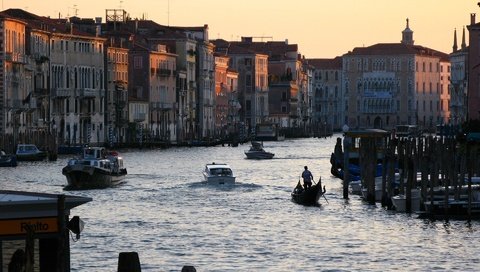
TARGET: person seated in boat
(307,178)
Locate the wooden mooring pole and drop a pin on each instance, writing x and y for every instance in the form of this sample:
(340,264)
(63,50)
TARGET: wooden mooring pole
(346,161)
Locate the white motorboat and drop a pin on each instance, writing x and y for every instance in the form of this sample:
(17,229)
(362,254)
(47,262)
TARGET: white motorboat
(30,152)
(218,173)
(256,151)
(400,201)
(97,168)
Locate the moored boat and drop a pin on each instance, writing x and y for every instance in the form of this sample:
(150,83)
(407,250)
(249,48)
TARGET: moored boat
(308,196)
(30,152)
(400,201)
(97,168)
(256,151)
(7,160)
(218,173)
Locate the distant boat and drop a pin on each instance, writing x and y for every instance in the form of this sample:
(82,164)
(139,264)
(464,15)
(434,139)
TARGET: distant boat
(7,160)
(218,173)
(30,152)
(268,132)
(97,168)
(256,151)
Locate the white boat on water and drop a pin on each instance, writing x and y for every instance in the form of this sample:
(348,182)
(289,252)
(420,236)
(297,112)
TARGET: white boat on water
(256,151)
(400,201)
(97,168)
(218,173)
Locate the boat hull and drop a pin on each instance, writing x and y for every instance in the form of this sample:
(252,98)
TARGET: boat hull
(307,197)
(8,161)
(88,177)
(32,157)
(219,180)
(259,155)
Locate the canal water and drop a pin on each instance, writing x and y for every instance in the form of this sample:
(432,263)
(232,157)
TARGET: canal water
(165,213)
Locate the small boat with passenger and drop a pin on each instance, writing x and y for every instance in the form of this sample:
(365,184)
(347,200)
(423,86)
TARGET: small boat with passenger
(218,173)
(256,151)
(96,168)
(308,196)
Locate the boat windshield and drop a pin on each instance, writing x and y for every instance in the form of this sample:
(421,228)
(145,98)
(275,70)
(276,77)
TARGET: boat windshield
(220,172)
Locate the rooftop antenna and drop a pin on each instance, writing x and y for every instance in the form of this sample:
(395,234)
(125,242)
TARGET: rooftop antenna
(120,6)
(168,13)
(75,10)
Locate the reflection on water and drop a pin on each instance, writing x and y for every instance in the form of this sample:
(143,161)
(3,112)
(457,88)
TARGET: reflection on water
(170,217)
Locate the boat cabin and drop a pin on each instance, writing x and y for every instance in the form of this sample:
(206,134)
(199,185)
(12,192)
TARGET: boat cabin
(218,170)
(407,131)
(27,149)
(94,153)
(354,136)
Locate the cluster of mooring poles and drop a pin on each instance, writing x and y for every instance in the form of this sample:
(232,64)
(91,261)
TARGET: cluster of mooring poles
(440,167)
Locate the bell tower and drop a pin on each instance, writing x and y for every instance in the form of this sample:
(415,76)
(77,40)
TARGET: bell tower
(407,35)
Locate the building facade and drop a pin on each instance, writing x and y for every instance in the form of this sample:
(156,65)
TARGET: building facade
(392,84)
(327,93)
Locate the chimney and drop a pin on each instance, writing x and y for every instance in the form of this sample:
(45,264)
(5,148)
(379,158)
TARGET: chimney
(472,18)
(286,41)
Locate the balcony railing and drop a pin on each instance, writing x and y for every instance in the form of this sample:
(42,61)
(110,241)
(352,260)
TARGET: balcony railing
(139,117)
(90,93)
(164,72)
(61,92)
(161,105)
(15,57)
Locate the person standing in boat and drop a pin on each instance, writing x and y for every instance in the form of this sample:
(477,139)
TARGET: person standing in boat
(307,178)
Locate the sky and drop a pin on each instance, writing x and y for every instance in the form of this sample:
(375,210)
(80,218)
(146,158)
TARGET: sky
(320,28)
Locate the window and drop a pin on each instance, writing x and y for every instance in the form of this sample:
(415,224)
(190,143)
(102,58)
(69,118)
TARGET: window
(137,62)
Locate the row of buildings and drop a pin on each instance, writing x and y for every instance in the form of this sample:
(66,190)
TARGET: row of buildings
(127,80)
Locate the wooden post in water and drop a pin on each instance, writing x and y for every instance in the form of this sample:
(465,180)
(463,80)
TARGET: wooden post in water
(470,163)
(346,159)
(391,166)
(128,262)
(63,239)
(402,164)
(408,195)
(369,155)
(385,155)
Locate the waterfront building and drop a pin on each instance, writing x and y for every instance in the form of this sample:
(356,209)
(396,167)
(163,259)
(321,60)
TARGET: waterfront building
(77,84)
(15,86)
(117,92)
(473,71)
(204,79)
(289,83)
(391,84)
(252,71)
(226,102)
(328,108)
(152,92)
(458,81)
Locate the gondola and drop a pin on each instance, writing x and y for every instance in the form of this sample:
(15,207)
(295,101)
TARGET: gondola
(309,196)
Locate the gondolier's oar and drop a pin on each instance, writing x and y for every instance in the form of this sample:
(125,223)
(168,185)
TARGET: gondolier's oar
(320,184)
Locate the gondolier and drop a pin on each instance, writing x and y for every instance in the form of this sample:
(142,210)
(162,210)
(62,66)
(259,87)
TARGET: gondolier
(307,178)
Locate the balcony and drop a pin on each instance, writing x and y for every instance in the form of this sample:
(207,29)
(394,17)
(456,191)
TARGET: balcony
(15,57)
(41,91)
(161,106)
(60,93)
(16,104)
(87,93)
(164,72)
(139,117)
